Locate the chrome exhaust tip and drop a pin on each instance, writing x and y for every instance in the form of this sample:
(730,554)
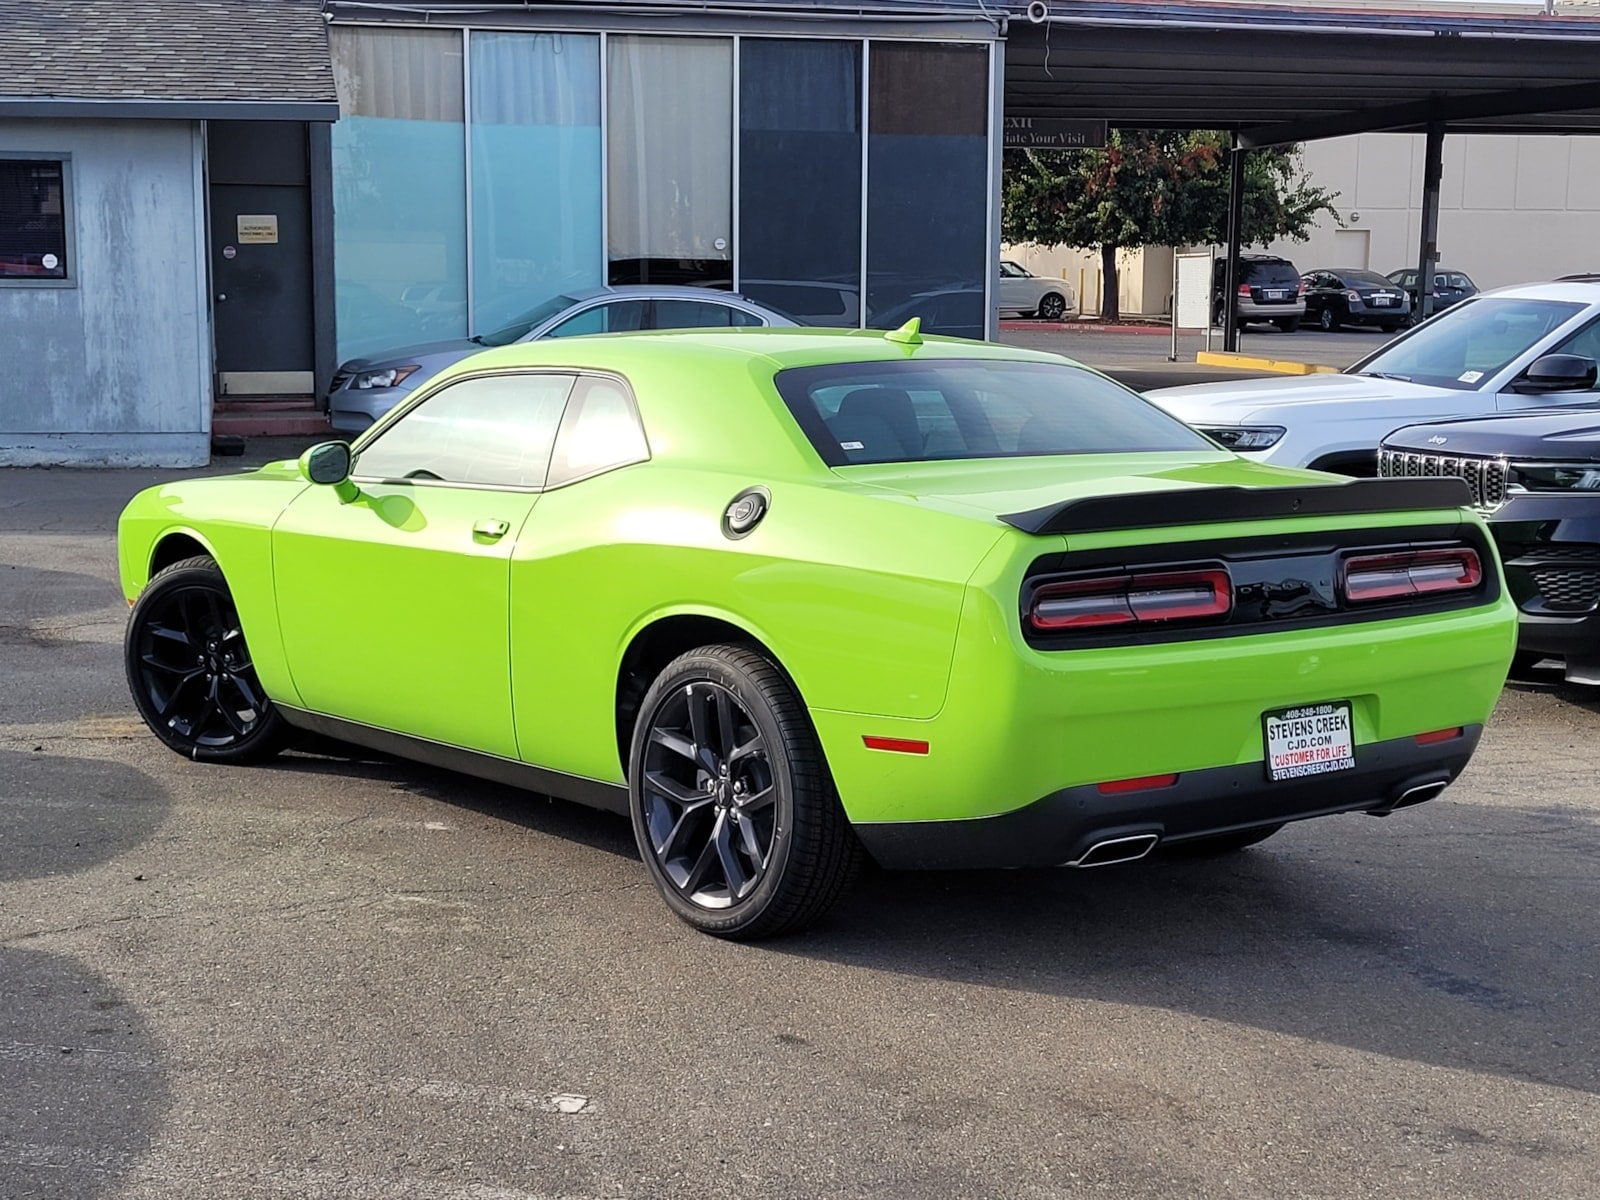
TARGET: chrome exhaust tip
(1415,791)
(1116,850)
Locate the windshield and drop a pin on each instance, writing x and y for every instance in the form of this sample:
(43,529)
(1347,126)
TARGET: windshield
(518,329)
(1467,345)
(942,409)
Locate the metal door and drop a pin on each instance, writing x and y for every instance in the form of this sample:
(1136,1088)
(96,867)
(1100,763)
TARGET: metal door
(261,287)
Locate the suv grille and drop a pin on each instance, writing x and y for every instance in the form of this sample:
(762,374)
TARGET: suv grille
(1487,477)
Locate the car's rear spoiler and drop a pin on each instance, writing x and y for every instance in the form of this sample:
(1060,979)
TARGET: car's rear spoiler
(1215,505)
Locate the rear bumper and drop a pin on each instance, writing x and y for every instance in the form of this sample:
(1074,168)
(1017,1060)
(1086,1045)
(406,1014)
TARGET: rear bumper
(1060,828)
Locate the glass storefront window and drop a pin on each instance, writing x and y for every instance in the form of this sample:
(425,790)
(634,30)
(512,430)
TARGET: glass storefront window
(535,140)
(400,192)
(669,159)
(927,186)
(800,178)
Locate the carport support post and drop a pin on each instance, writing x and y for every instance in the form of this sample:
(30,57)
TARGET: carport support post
(1230,271)
(1428,252)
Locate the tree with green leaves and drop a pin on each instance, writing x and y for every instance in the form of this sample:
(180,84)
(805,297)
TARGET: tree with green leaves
(1153,188)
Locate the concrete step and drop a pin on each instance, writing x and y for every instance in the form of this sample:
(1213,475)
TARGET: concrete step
(306,421)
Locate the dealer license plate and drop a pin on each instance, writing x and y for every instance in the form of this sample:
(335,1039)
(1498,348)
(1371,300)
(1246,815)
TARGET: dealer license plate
(1310,740)
(1383,300)
(1276,295)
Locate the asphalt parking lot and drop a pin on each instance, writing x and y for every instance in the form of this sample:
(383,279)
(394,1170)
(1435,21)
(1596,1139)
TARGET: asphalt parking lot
(348,977)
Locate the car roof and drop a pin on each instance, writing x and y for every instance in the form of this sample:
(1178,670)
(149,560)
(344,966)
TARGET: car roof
(656,291)
(1584,291)
(778,348)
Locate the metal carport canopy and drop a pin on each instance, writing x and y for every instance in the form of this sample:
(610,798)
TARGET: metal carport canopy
(1277,74)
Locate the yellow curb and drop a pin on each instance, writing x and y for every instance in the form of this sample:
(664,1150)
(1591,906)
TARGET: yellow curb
(1221,358)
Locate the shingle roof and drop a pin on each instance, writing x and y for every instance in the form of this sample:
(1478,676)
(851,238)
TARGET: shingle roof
(165,50)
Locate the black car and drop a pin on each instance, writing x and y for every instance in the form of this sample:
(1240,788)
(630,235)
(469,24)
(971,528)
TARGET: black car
(1536,478)
(1268,290)
(1449,287)
(1346,296)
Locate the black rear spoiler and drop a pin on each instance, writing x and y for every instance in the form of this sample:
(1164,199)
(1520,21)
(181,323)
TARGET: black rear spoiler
(1216,505)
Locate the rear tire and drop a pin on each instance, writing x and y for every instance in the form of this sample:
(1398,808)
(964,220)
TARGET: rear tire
(733,808)
(1288,324)
(1326,321)
(1217,844)
(190,670)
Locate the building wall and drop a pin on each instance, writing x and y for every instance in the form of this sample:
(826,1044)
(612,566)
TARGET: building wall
(117,369)
(1512,209)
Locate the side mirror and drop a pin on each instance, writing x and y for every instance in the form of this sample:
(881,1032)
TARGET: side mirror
(329,463)
(1558,373)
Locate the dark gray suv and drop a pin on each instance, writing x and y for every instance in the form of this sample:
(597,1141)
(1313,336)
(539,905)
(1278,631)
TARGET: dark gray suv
(1269,290)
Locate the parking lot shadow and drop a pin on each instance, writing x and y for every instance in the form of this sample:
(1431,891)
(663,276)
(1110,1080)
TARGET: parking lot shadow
(83,1087)
(590,827)
(1463,937)
(60,815)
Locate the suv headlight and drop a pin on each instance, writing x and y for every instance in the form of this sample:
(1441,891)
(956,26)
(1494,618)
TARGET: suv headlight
(1556,477)
(1245,437)
(387,377)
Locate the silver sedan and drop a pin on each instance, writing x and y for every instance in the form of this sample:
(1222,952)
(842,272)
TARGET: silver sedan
(366,388)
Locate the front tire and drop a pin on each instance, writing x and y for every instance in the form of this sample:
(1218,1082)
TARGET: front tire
(190,670)
(733,807)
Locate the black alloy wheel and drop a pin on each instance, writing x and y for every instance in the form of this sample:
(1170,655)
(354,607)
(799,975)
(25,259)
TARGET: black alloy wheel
(190,671)
(733,807)
(1052,306)
(1326,320)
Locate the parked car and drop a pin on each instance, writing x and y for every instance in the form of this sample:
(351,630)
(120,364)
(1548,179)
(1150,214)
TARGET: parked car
(1449,287)
(1028,295)
(364,389)
(1347,296)
(1269,289)
(1536,478)
(792,597)
(1503,351)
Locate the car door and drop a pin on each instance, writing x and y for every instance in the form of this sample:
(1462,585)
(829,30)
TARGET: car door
(1585,343)
(1016,291)
(1317,291)
(394,604)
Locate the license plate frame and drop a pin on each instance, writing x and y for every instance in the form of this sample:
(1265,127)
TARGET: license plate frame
(1308,739)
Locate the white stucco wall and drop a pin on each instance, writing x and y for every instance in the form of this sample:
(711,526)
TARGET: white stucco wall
(1511,209)
(116,370)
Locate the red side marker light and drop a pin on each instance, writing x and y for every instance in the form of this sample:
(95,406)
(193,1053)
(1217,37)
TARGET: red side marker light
(1142,784)
(895,745)
(1439,735)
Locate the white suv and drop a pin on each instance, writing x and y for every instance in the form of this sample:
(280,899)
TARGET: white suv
(1515,349)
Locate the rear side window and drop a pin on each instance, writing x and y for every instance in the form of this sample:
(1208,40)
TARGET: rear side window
(700,314)
(600,432)
(942,409)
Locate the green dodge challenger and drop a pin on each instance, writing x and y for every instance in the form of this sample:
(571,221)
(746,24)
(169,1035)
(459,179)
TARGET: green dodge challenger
(790,599)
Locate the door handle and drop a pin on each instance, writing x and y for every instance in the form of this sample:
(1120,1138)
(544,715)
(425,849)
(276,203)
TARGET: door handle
(490,528)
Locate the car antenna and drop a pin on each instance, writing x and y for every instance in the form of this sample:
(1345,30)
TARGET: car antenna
(909,334)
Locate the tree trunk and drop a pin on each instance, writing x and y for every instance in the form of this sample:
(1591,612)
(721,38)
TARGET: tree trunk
(1110,292)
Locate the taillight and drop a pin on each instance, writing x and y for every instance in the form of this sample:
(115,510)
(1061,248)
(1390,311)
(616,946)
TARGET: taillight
(1131,599)
(1244,289)
(1410,573)
(1302,290)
